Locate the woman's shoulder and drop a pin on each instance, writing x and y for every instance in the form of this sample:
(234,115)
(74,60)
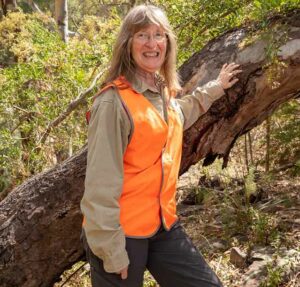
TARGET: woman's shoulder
(107,94)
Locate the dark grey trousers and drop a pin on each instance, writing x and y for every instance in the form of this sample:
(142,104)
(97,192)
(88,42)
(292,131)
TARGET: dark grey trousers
(170,257)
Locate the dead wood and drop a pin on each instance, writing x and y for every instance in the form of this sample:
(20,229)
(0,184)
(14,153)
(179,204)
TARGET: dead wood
(40,220)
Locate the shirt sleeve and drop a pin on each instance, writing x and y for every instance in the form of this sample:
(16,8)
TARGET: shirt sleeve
(198,103)
(108,134)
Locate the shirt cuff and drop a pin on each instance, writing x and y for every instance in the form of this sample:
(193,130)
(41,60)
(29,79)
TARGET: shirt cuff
(116,262)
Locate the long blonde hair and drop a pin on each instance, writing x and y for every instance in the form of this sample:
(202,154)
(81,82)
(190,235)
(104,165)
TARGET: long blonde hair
(122,62)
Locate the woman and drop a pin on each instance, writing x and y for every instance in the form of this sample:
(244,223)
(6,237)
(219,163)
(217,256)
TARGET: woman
(134,152)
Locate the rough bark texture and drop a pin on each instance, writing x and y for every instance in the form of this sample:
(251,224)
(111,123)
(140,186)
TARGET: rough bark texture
(40,224)
(61,17)
(8,5)
(250,101)
(40,221)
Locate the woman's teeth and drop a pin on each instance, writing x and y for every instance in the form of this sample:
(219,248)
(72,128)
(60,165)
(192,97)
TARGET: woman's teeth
(150,54)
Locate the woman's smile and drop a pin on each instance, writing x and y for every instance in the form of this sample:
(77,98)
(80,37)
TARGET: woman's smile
(149,48)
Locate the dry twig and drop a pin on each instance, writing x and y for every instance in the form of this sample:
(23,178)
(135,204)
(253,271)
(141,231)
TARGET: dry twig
(71,107)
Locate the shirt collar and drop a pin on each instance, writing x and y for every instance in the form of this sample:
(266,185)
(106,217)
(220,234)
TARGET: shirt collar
(141,86)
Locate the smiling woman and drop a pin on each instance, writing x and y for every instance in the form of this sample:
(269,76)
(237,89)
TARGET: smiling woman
(149,48)
(137,21)
(134,152)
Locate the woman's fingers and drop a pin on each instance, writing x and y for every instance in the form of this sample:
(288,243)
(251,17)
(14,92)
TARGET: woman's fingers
(124,273)
(231,67)
(232,82)
(234,73)
(224,66)
(228,73)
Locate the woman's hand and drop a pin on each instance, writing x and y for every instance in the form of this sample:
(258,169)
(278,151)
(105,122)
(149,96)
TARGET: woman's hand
(124,273)
(227,77)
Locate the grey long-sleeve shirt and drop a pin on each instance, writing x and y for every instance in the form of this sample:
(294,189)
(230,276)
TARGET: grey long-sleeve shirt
(108,135)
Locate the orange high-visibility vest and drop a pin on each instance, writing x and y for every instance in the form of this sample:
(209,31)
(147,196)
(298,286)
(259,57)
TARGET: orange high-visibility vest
(151,165)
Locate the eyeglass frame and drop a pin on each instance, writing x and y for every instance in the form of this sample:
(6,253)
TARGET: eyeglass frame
(147,36)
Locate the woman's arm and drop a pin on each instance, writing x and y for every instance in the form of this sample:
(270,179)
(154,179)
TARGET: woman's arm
(198,103)
(108,133)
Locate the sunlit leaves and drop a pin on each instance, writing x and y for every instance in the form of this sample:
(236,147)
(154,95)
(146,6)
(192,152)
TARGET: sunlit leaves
(40,76)
(197,22)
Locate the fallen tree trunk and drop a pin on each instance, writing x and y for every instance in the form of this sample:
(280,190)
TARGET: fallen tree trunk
(250,101)
(40,221)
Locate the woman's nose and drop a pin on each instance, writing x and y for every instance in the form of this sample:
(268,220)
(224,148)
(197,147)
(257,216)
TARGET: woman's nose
(151,42)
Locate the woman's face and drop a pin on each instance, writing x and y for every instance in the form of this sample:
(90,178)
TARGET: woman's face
(149,47)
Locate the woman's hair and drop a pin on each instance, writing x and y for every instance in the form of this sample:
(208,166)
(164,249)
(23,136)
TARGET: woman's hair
(122,62)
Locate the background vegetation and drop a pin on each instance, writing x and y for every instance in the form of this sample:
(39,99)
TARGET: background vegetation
(41,76)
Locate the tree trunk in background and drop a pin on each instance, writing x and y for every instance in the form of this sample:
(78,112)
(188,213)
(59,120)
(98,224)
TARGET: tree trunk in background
(34,6)
(61,18)
(3,9)
(268,131)
(246,153)
(8,5)
(250,148)
(40,220)
(132,3)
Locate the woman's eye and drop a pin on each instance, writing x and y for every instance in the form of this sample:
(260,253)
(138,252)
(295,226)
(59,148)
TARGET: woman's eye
(142,35)
(159,36)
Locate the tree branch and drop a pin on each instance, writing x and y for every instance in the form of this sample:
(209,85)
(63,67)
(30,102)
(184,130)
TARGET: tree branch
(284,167)
(34,6)
(71,107)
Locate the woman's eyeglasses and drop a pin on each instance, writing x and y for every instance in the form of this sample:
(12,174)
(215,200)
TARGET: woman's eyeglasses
(144,37)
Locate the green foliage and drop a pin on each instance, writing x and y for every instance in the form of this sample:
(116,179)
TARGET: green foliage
(149,284)
(149,280)
(14,48)
(297,168)
(285,135)
(287,127)
(40,76)
(44,5)
(284,141)
(264,229)
(197,22)
(274,276)
(275,66)
(240,218)
(250,184)
(200,194)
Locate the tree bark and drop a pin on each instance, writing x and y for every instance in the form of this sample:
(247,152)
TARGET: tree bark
(34,6)
(246,153)
(268,138)
(249,102)
(40,224)
(40,220)
(61,18)
(250,148)
(8,5)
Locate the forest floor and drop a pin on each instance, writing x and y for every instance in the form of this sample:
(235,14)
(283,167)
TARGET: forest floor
(248,242)
(248,231)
